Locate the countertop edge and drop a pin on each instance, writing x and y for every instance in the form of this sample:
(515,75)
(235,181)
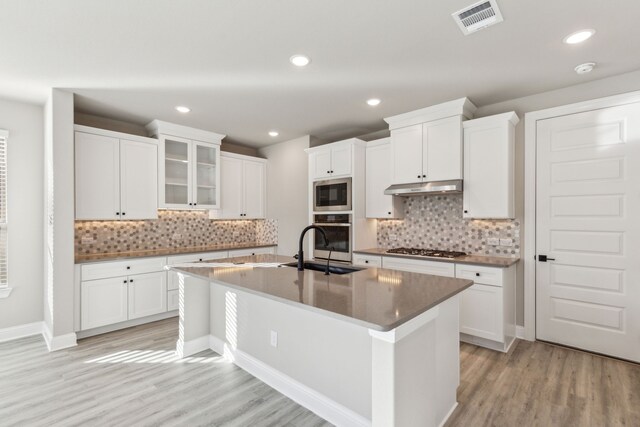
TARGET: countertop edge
(128,255)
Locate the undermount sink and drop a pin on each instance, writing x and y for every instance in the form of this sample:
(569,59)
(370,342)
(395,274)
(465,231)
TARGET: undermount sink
(333,269)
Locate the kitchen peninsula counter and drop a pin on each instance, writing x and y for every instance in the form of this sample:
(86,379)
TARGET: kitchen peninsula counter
(374,347)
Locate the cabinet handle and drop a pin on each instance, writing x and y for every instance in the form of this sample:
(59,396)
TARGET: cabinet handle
(388,213)
(466,211)
(194,204)
(424,176)
(328,171)
(200,259)
(366,261)
(477,274)
(123,213)
(331,171)
(131,281)
(128,267)
(418,176)
(117,213)
(190,204)
(124,281)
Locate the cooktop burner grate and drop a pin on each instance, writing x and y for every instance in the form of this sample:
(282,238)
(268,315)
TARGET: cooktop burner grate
(437,253)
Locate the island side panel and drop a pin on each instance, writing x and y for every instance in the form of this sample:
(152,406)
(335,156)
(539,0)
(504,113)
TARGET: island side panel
(193,309)
(328,355)
(447,357)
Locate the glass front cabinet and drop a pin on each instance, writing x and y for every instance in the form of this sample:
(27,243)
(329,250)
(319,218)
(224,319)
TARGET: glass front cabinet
(188,169)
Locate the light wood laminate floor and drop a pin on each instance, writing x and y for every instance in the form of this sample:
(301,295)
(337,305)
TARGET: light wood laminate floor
(131,378)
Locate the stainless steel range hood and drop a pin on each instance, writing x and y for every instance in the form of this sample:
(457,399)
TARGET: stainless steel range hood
(425,188)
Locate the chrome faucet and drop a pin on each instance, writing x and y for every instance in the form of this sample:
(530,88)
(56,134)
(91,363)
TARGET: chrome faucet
(301,252)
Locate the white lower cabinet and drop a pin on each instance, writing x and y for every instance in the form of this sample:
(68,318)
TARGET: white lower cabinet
(104,302)
(147,294)
(481,312)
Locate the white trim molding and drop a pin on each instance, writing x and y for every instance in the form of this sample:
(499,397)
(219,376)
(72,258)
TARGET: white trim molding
(191,347)
(21,331)
(530,155)
(316,402)
(58,342)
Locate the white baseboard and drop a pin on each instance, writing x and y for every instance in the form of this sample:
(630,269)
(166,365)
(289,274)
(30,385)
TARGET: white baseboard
(318,403)
(189,348)
(520,332)
(453,408)
(21,331)
(127,324)
(58,342)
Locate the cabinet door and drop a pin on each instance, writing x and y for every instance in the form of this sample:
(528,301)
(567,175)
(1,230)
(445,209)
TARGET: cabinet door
(138,180)
(147,294)
(406,154)
(103,302)
(321,164)
(254,189)
(442,150)
(481,312)
(488,173)
(341,161)
(378,178)
(97,175)
(174,169)
(231,177)
(205,189)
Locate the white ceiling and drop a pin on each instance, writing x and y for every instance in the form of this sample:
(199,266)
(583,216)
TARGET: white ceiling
(228,60)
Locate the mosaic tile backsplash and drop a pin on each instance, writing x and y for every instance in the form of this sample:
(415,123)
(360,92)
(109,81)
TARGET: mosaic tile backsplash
(172,229)
(436,222)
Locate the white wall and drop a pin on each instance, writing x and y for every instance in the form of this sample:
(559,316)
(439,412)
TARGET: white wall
(582,92)
(25,206)
(288,190)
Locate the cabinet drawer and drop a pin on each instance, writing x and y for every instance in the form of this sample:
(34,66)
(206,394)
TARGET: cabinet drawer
(419,266)
(203,256)
(250,251)
(104,270)
(172,300)
(484,275)
(367,260)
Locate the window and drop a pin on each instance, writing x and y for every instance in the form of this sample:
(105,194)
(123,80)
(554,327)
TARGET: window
(4,291)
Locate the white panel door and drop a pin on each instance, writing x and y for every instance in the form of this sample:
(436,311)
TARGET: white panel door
(231,196)
(588,210)
(321,164)
(254,189)
(147,294)
(97,176)
(406,154)
(442,152)
(103,302)
(138,180)
(341,160)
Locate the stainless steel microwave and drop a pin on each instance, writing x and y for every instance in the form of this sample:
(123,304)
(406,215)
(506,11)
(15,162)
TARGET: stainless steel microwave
(332,195)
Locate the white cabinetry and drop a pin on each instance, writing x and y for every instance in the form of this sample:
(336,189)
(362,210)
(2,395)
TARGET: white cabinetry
(419,266)
(104,302)
(251,251)
(147,294)
(489,145)
(332,161)
(244,183)
(378,178)
(188,166)
(115,175)
(172,277)
(487,309)
(367,260)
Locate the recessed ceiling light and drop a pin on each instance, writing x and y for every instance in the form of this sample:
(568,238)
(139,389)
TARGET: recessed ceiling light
(183,109)
(300,60)
(585,68)
(579,36)
(273,133)
(373,102)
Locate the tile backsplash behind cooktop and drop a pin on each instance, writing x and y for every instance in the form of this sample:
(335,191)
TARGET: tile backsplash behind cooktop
(436,222)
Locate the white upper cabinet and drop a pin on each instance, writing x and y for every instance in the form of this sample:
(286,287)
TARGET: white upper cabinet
(243,181)
(188,166)
(489,146)
(378,178)
(115,175)
(331,161)
(426,145)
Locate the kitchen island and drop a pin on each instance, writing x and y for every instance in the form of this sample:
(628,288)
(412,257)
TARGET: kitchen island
(373,347)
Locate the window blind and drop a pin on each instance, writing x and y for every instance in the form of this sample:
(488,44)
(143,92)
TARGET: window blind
(3,208)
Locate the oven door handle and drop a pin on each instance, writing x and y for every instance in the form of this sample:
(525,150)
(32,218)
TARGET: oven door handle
(329,224)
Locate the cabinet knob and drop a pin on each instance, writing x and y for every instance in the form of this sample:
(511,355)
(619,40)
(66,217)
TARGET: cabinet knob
(131,281)
(466,211)
(190,204)
(477,274)
(200,259)
(418,176)
(128,267)
(328,171)
(117,213)
(123,213)
(194,204)
(366,261)
(124,281)
(388,213)
(424,176)
(331,171)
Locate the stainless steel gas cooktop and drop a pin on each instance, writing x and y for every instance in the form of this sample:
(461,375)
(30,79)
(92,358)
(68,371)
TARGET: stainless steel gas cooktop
(437,253)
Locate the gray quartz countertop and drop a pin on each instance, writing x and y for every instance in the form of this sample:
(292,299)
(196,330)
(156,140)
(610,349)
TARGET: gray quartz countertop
(376,298)
(489,261)
(84,258)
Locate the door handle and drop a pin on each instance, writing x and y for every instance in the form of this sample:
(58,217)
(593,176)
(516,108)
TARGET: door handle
(544,258)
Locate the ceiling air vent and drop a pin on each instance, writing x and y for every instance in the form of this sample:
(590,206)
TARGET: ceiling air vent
(478,16)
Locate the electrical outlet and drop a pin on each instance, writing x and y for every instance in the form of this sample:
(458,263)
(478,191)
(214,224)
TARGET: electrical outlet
(493,241)
(393,237)
(506,242)
(177,236)
(87,240)
(274,339)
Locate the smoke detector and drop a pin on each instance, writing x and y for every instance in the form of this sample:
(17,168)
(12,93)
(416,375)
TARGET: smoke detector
(478,16)
(585,68)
